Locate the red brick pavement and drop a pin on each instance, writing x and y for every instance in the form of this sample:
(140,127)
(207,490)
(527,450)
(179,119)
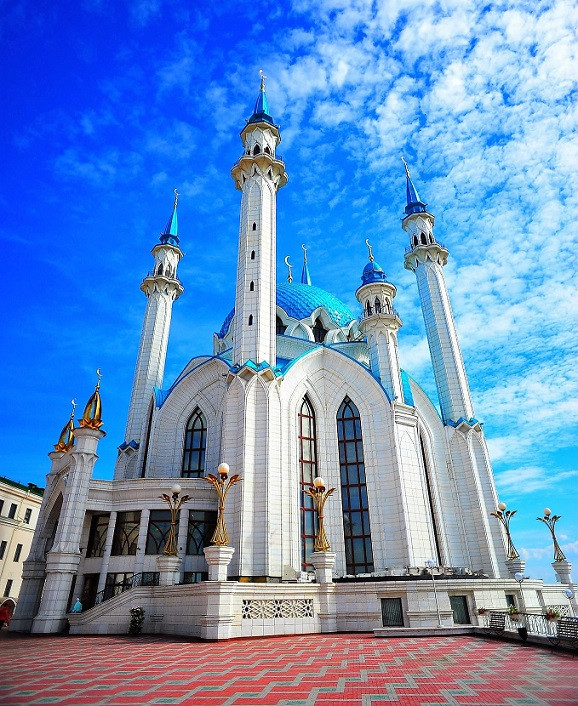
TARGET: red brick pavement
(293,671)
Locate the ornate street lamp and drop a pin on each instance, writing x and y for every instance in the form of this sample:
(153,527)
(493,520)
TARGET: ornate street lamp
(504,516)
(175,503)
(320,495)
(222,486)
(550,522)
(522,627)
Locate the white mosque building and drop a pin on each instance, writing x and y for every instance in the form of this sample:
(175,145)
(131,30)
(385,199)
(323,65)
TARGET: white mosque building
(297,386)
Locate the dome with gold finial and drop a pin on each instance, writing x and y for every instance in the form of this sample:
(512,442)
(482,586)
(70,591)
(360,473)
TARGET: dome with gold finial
(66,439)
(92,412)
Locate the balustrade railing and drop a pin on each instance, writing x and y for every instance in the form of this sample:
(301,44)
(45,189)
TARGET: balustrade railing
(535,623)
(148,578)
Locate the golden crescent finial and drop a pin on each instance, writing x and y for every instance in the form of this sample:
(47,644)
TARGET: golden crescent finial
(406,167)
(263,77)
(73,403)
(370,249)
(290,267)
(176,198)
(304,252)
(99,377)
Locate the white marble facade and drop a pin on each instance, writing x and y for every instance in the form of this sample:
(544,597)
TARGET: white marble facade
(290,355)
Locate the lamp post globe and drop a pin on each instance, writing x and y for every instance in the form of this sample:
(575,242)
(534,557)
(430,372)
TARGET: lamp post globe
(501,507)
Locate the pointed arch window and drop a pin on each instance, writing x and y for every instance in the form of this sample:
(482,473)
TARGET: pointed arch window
(195,446)
(308,469)
(254,226)
(252,287)
(319,331)
(250,319)
(356,524)
(267,149)
(423,239)
(281,328)
(377,305)
(252,254)
(256,149)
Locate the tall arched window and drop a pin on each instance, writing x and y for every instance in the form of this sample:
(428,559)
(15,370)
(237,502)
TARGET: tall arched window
(195,445)
(308,469)
(356,526)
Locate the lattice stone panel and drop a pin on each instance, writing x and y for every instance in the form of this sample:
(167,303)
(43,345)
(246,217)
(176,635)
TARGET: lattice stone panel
(277,608)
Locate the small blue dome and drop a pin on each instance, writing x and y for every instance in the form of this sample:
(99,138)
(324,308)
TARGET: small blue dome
(300,300)
(373,272)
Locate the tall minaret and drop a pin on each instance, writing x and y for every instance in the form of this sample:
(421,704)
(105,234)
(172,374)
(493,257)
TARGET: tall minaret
(258,174)
(426,257)
(161,288)
(380,324)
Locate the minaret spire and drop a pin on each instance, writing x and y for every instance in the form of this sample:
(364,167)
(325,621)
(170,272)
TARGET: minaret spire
(258,174)
(305,276)
(426,258)
(380,324)
(161,288)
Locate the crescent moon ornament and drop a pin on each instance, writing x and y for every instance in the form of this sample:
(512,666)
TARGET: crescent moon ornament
(289,267)
(304,252)
(99,376)
(370,249)
(73,403)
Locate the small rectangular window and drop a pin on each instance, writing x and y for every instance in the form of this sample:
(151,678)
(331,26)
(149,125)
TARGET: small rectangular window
(459,605)
(18,552)
(3,545)
(1,506)
(27,515)
(12,511)
(391,613)
(510,599)
(8,587)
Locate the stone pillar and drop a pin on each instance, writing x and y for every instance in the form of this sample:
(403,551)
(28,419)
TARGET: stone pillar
(323,563)
(169,568)
(106,552)
(218,558)
(515,566)
(563,570)
(60,570)
(141,541)
(218,615)
(33,576)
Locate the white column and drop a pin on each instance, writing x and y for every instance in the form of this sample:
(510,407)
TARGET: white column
(106,552)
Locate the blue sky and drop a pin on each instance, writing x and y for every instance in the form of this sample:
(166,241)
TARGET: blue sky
(108,106)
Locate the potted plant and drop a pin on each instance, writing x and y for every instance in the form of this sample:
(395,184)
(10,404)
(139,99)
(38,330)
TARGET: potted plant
(136,621)
(481,611)
(552,614)
(513,612)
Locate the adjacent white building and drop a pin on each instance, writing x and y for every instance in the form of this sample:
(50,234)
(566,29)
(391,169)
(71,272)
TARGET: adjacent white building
(19,511)
(296,386)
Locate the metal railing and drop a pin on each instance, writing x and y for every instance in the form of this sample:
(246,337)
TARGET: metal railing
(148,578)
(535,623)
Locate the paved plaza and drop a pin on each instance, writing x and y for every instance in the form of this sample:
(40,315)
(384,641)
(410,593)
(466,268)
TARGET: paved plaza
(294,671)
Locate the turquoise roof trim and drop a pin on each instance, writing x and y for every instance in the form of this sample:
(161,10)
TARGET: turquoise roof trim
(300,300)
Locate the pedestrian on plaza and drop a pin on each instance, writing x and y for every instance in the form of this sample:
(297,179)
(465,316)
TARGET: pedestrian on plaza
(4,616)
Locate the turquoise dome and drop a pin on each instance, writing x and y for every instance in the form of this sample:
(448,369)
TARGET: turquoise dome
(300,300)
